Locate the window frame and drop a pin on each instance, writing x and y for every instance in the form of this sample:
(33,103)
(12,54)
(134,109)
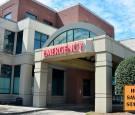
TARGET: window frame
(30,15)
(10,77)
(14,78)
(57,83)
(89,88)
(89,32)
(4,49)
(7,15)
(41,41)
(17,43)
(47,22)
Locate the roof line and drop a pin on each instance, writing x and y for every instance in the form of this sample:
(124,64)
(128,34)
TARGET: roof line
(87,10)
(44,5)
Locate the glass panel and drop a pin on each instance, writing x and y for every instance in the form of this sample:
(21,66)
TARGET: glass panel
(37,36)
(44,38)
(5,79)
(92,34)
(51,44)
(86,87)
(16,85)
(31,16)
(8,16)
(4,85)
(80,34)
(19,42)
(9,42)
(16,79)
(36,44)
(70,36)
(58,82)
(60,39)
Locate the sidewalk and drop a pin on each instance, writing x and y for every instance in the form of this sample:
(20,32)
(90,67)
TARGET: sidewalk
(9,109)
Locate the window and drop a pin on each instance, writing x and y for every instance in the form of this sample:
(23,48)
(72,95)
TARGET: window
(80,34)
(57,82)
(9,42)
(19,42)
(47,22)
(40,39)
(8,16)
(60,39)
(16,79)
(5,79)
(86,87)
(31,16)
(32,82)
(72,35)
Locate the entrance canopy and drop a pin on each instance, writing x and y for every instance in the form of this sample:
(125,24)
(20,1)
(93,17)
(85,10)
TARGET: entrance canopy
(105,50)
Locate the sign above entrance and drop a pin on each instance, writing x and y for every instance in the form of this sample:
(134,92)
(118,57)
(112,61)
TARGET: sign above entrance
(64,49)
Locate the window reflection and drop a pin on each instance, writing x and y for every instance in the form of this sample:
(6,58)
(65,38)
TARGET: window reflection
(72,35)
(9,42)
(60,39)
(80,34)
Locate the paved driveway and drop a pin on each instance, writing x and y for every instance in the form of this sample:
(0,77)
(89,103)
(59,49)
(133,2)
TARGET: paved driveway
(56,112)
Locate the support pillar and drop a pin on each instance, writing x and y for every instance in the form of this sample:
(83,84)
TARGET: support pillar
(103,82)
(25,84)
(40,84)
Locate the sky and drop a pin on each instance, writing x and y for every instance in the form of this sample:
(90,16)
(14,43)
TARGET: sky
(119,13)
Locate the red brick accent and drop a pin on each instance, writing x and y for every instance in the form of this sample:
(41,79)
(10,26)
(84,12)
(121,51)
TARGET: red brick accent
(76,13)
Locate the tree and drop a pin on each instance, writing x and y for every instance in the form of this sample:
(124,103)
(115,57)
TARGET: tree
(124,74)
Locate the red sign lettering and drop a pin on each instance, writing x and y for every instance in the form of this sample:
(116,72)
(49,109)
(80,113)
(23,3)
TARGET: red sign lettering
(64,49)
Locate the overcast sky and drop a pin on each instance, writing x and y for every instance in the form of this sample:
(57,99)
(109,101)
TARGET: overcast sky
(119,13)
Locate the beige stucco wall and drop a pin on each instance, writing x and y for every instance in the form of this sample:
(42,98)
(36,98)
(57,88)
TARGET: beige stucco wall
(129,43)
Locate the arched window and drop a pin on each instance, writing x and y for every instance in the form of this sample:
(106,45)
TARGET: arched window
(72,35)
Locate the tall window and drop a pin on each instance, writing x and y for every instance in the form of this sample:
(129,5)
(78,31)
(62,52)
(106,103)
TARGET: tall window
(58,82)
(40,39)
(9,41)
(16,79)
(5,79)
(86,87)
(19,42)
(47,22)
(8,16)
(31,16)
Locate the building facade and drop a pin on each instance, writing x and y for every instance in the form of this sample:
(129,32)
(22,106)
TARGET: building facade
(65,57)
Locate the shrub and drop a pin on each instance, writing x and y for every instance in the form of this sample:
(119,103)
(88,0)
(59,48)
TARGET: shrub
(124,74)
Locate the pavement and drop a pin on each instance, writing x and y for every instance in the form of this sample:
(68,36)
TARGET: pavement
(20,110)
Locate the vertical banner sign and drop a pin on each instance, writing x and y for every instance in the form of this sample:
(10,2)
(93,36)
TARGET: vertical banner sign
(129,98)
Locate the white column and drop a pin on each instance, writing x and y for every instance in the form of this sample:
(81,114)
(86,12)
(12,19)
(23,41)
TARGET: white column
(25,84)
(28,40)
(103,82)
(40,84)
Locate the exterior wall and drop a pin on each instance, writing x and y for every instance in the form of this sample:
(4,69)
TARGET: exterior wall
(41,12)
(10,7)
(129,43)
(85,15)
(78,13)
(26,58)
(75,82)
(67,16)
(18,8)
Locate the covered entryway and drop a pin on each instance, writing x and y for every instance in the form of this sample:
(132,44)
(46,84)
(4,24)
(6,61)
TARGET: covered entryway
(73,55)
